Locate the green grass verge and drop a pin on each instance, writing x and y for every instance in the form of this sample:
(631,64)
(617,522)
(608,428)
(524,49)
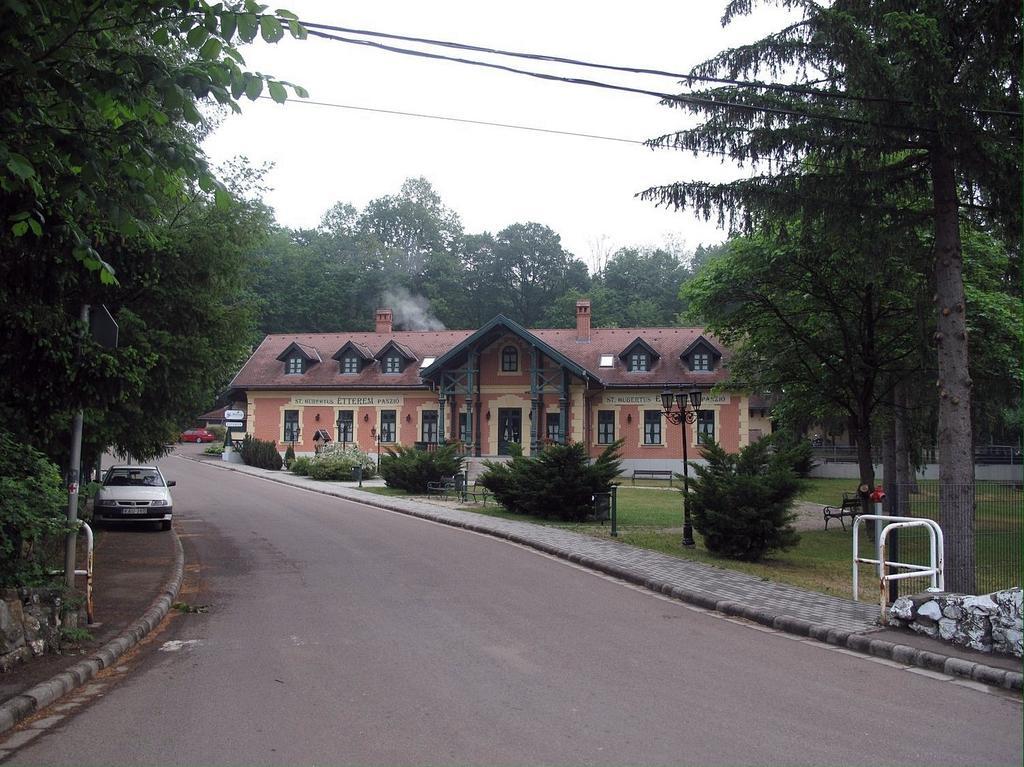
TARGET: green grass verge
(652,518)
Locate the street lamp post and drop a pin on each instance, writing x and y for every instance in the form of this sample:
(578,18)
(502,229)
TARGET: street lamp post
(681,407)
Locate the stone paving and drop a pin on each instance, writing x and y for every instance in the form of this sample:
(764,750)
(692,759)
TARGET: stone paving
(702,583)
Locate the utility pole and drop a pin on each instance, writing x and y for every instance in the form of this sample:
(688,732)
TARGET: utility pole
(73,477)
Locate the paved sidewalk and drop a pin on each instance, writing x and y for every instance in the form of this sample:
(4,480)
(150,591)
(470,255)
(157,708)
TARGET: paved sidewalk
(835,620)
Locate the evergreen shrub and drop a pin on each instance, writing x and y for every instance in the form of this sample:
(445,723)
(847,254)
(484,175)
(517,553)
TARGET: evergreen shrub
(559,483)
(289,455)
(410,469)
(33,508)
(740,502)
(300,466)
(218,431)
(261,453)
(334,463)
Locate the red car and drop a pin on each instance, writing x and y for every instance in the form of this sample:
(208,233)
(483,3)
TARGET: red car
(197,435)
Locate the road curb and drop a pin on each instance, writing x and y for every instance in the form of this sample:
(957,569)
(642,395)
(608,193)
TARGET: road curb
(42,695)
(857,642)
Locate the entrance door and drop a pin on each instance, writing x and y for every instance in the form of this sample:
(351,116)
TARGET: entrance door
(510,428)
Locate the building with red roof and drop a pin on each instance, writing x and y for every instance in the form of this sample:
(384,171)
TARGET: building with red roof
(497,385)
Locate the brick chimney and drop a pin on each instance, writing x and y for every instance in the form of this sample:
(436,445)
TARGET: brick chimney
(383,320)
(583,321)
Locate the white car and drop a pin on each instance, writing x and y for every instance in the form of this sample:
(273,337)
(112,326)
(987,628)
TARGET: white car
(134,494)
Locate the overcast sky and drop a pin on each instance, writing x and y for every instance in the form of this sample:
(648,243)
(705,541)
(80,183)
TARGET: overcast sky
(583,188)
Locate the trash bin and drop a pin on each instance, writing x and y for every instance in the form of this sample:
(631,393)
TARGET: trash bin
(602,506)
(357,475)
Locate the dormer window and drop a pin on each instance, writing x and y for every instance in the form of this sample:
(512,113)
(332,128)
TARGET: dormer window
(639,356)
(639,362)
(352,358)
(701,356)
(298,358)
(394,357)
(509,359)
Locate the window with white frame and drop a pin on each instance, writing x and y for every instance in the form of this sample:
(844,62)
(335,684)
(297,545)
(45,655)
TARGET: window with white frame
(700,361)
(350,364)
(392,364)
(294,365)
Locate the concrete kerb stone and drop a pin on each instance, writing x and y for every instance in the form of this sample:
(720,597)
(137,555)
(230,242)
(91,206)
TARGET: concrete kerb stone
(862,643)
(42,695)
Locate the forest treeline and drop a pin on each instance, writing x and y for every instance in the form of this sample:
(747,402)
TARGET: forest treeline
(409,252)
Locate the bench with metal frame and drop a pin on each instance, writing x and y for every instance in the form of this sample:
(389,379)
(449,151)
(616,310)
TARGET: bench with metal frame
(444,487)
(477,492)
(652,474)
(851,506)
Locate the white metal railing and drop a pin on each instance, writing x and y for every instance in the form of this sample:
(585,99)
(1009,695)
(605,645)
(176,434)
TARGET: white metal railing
(87,572)
(934,570)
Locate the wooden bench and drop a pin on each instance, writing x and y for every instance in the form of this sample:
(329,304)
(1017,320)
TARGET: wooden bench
(850,507)
(652,474)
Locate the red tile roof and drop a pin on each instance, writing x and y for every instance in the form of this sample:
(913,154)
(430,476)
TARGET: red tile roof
(263,370)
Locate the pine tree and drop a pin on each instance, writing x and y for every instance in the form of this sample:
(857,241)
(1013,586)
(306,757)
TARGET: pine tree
(921,96)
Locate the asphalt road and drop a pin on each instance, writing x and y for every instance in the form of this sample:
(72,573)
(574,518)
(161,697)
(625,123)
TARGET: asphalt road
(337,633)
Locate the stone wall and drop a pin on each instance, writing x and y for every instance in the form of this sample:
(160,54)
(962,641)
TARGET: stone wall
(990,623)
(31,620)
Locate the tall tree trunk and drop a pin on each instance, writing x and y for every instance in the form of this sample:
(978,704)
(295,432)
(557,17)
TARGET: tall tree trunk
(956,452)
(865,464)
(904,479)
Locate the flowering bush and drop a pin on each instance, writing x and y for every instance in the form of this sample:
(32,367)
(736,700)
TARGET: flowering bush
(335,463)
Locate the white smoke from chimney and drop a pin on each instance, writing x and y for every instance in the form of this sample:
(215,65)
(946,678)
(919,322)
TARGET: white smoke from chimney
(411,312)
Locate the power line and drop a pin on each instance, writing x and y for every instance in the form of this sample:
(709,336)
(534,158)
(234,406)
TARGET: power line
(689,77)
(703,102)
(448,118)
(488,123)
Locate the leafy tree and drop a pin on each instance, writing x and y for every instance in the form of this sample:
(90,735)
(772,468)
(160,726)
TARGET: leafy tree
(911,97)
(825,319)
(740,502)
(32,511)
(184,328)
(639,288)
(532,269)
(103,112)
(413,226)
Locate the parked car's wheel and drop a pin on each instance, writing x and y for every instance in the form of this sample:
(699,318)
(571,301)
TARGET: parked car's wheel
(165,524)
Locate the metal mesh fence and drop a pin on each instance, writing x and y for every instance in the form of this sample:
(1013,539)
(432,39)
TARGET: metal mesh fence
(998,522)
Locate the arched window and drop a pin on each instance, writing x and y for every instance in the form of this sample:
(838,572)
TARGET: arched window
(509,359)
